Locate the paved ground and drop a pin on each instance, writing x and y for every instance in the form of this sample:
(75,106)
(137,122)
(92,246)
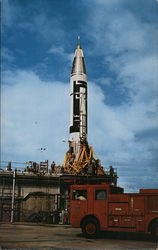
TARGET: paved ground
(35,236)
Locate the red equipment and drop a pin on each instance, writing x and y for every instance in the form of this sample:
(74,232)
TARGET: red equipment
(102,207)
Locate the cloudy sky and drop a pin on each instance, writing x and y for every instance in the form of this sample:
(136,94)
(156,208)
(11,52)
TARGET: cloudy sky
(120,43)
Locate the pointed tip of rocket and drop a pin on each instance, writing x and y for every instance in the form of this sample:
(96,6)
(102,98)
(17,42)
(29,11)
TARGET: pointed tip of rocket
(78,42)
(78,66)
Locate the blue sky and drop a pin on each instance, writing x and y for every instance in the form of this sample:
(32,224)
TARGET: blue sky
(120,43)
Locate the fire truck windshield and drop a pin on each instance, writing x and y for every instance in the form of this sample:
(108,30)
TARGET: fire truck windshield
(100,195)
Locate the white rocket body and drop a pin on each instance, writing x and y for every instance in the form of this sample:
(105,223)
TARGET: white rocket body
(78,102)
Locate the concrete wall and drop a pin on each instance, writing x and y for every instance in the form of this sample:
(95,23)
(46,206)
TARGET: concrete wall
(33,194)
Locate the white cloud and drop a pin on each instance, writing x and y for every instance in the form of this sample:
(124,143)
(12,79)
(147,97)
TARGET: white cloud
(104,81)
(27,100)
(58,50)
(115,29)
(126,33)
(51,29)
(114,128)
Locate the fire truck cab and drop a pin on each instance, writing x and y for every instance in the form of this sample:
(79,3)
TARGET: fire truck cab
(103,207)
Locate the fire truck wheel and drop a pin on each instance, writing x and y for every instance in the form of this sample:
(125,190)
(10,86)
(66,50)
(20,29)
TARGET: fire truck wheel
(154,230)
(90,228)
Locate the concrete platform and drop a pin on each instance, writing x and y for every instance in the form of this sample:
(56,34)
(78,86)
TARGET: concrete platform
(35,236)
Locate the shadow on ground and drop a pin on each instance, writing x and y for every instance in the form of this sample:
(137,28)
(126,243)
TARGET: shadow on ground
(124,236)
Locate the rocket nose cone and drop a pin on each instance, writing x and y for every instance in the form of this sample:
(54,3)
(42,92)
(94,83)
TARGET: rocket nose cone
(78,66)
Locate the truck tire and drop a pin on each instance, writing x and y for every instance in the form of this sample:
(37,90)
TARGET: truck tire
(90,228)
(154,230)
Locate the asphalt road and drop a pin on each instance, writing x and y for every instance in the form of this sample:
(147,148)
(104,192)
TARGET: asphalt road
(35,236)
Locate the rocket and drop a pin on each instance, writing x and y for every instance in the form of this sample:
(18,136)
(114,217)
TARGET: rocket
(78,102)
(79,159)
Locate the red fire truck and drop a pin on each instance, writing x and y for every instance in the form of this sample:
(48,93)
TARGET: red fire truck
(103,207)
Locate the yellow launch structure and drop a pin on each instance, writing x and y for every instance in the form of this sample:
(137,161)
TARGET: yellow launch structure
(82,164)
